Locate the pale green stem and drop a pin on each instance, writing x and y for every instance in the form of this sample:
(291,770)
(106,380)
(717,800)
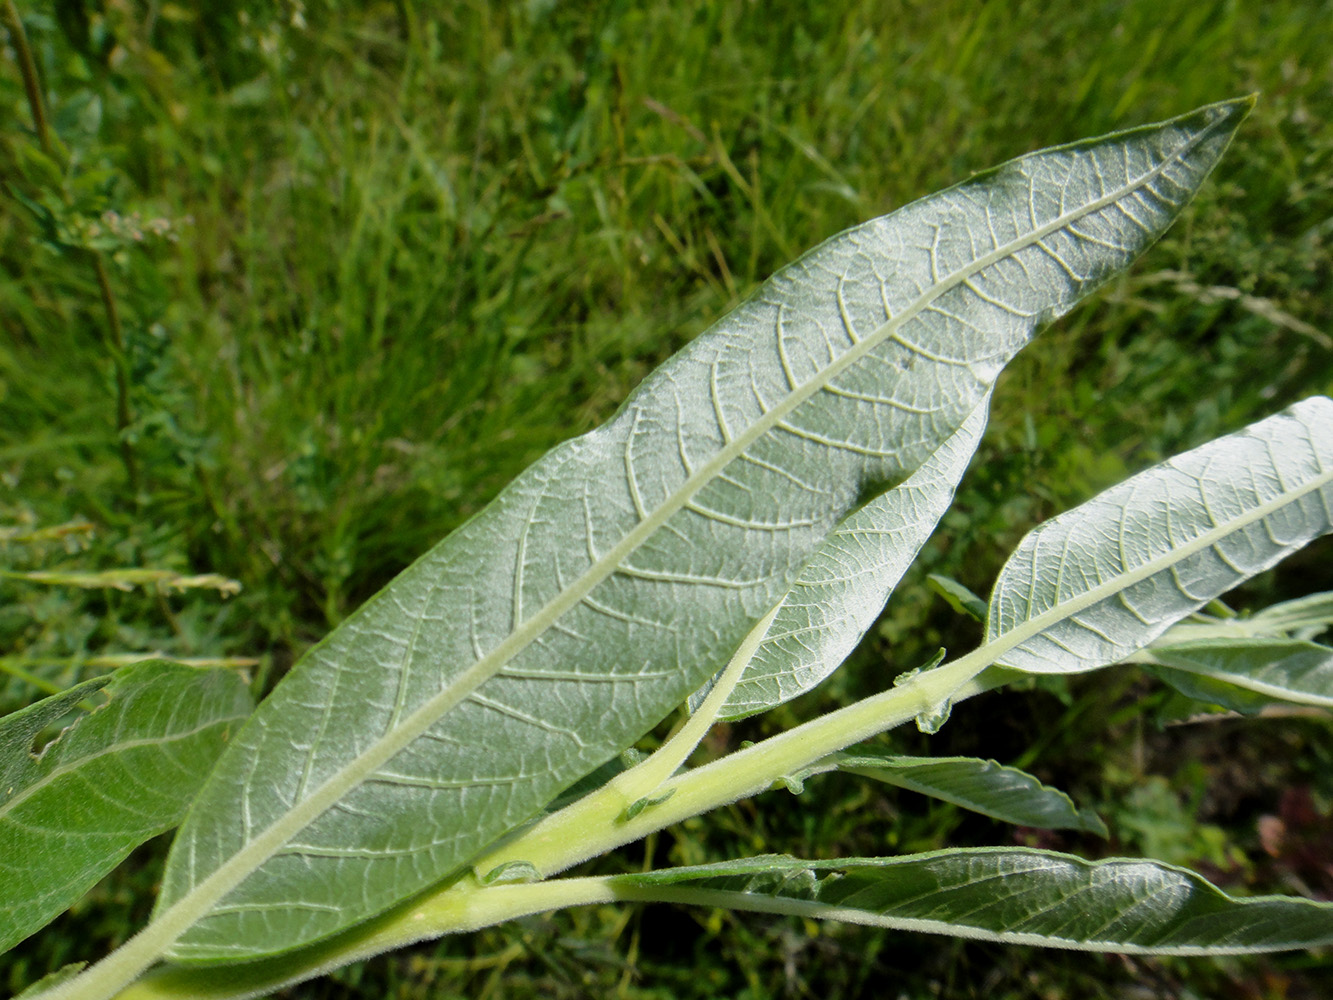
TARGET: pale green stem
(644,781)
(10,665)
(444,912)
(595,824)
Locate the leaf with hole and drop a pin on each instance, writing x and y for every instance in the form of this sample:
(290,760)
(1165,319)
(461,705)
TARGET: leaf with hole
(132,765)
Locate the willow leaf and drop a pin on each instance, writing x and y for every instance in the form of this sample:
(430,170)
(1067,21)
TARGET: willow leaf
(840,592)
(1101,581)
(618,573)
(1304,617)
(1015,896)
(985,786)
(1247,674)
(958,597)
(131,763)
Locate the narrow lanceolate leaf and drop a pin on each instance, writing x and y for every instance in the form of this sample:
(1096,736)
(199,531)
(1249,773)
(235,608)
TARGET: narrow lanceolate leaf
(1305,617)
(1247,674)
(840,592)
(1093,585)
(1014,896)
(984,786)
(131,764)
(958,597)
(619,572)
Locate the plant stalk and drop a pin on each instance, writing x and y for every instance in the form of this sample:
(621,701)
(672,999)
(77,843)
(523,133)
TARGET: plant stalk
(31,82)
(442,914)
(115,332)
(116,335)
(594,825)
(591,826)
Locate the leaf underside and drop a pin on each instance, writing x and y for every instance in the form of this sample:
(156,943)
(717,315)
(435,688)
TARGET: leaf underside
(130,765)
(619,572)
(1101,581)
(841,591)
(1012,895)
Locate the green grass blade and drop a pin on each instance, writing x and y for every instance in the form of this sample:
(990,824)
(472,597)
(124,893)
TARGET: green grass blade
(1099,582)
(132,765)
(1014,896)
(620,571)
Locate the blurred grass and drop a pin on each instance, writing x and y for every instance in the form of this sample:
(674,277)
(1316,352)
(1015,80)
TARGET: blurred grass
(420,244)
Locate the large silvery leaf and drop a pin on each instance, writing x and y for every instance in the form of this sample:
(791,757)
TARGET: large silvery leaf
(620,571)
(132,763)
(1093,585)
(1015,896)
(840,592)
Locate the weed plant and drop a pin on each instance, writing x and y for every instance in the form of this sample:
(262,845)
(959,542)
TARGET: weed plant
(397,227)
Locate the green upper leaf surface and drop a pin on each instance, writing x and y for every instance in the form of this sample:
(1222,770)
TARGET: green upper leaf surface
(1247,674)
(1101,581)
(118,775)
(984,786)
(958,597)
(619,572)
(1014,896)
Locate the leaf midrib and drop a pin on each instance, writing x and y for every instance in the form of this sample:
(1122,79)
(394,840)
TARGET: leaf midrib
(194,904)
(120,747)
(1250,683)
(1121,582)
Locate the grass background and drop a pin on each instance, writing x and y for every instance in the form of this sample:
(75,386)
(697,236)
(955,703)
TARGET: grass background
(407,247)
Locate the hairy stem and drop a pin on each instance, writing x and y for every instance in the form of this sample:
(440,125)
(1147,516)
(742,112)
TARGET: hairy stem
(441,913)
(588,827)
(594,824)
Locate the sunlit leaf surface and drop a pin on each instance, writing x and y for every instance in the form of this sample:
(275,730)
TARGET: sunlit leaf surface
(74,807)
(1101,581)
(619,572)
